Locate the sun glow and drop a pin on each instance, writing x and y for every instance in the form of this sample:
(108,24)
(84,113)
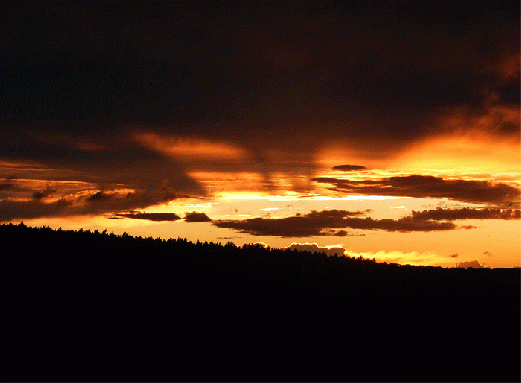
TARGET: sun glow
(462,155)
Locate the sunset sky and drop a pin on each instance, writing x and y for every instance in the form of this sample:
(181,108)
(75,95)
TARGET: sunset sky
(388,130)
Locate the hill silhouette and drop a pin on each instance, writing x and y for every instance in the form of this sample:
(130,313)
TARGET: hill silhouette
(115,307)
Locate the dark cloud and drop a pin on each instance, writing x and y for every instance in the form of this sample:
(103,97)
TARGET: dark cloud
(258,69)
(83,202)
(34,208)
(7,183)
(37,195)
(467,227)
(150,216)
(197,217)
(403,224)
(419,186)
(344,233)
(233,237)
(121,160)
(469,264)
(348,168)
(9,186)
(79,78)
(466,213)
(456,255)
(326,222)
(100,196)
(112,200)
(313,223)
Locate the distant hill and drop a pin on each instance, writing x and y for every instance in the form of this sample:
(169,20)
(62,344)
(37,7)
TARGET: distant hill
(98,306)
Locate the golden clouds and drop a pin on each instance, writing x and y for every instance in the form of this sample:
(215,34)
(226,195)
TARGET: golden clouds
(483,136)
(402,257)
(462,153)
(190,148)
(222,181)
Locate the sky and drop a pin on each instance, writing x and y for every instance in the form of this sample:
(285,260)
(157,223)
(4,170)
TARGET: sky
(387,130)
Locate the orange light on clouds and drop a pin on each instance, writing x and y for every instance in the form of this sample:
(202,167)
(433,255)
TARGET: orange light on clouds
(469,142)
(462,154)
(190,148)
(217,182)
(17,165)
(401,257)
(392,256)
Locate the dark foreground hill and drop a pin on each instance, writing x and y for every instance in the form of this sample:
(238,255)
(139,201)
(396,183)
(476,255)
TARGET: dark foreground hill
(96,306)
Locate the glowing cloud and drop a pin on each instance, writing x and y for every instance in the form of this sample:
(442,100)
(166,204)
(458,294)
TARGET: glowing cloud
(485,140)
(190,148)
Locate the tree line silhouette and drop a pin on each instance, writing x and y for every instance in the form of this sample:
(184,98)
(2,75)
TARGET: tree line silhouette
(207,311)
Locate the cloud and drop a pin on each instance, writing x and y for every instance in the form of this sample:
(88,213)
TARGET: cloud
(466,213)
(190,148)
(456,255)
(197,217)
(37,195)
(387,256)
(103,201)
(405,224)
(326,222)
(348,168)
(315,76)
(469,264)
(344,233)
(149,216)
(83,202)
(293,83)
(420,186)
(466,227)
(13,186)
(313,223)
(34,208)
(100,196)
(7,183)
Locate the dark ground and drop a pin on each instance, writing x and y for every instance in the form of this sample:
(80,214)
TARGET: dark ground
(96,306)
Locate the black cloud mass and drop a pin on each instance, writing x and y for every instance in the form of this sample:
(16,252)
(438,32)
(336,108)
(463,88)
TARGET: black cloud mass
(277,82)
(362,71)
(419,186)
(325,223)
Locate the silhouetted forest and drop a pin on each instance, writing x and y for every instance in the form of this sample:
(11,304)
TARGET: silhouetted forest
(101,306)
